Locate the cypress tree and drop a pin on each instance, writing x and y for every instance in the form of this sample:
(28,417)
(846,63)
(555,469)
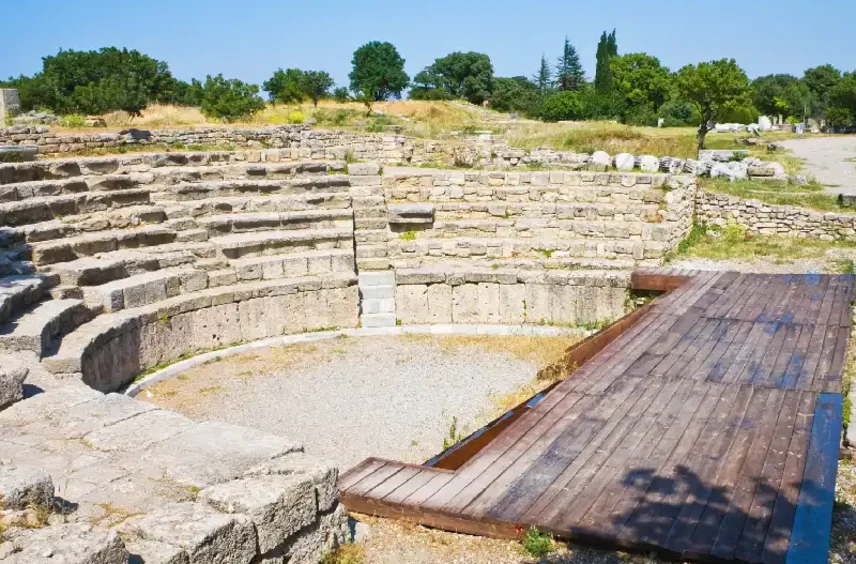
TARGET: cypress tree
(612,44)
(603,74)
(569,70)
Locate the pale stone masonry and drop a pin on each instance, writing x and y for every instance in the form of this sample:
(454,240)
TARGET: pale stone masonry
(9,105)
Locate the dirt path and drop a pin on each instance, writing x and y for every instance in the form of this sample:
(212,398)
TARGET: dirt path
(830,160)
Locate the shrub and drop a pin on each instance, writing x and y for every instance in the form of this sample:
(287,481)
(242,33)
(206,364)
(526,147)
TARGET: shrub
(229,99)
(537,544)
(296,116)
(73,120)
(566,105)
(678,113)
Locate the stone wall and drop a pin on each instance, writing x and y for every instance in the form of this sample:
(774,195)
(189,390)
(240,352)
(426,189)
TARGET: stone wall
(765,219)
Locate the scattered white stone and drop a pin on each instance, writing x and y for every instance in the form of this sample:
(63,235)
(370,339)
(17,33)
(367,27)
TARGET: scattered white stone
(649,163)
(624,162)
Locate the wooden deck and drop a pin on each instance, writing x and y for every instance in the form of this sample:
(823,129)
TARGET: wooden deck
(707,428)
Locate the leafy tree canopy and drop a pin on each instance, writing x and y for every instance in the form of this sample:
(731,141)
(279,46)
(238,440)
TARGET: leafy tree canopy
(515,94)
(563,105)
(820,82)
(285,86)
(229,99)
(378,71)
(457,75)
(316,85)
(780,94)
(714,88)
(94,82)
(642,84)
(842,100)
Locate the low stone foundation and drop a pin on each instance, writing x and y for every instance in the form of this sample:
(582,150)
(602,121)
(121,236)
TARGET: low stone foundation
(766,219)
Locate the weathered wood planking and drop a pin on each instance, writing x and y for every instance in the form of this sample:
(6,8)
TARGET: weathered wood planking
(704,426)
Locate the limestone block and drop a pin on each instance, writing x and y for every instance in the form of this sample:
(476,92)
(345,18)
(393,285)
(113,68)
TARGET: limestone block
(277,505)
(323,474)
(537,307)
(624,162)
(488,303)
(439,304)
(12,375)
(363,169)
(326,534)
(412,303)
(21,486)
(411,214)
(600,161)
(71,543)
(465,304)
(511,303)
(153,552)
(563,304)
(204,533)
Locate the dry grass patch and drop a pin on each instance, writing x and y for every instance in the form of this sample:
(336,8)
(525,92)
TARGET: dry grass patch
(777,193)
(542,351)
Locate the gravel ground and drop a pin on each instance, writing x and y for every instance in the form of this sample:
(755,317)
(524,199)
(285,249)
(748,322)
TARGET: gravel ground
(350,398)
(767,266)
(828,160)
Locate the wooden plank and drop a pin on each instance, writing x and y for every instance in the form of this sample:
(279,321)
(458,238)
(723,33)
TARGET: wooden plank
(846,317)
(700,348)
(725,299)
(789,376)
(511,492)
(719,492)
(809,543)
(641,488)
(751,475)
(751,542)
(374,479)
(744,299)
(402,492)
(655,516)
(684,348)
(703,472)
(614,506)
(611,468)
(816,300)
(827,353)
(779,530)
(776,361)
(717,364)
(359,472)
(488,464)
(418,497)
(812,357)
(832,382)
(559,474)
(751,353)
(392,483)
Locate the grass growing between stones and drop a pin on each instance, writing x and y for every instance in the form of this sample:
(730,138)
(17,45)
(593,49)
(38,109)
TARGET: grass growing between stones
(735,243)
(346,554)
(776,193)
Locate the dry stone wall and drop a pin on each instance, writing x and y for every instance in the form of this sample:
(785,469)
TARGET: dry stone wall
(765,219)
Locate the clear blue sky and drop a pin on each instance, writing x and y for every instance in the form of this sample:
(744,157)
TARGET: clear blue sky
(249,39)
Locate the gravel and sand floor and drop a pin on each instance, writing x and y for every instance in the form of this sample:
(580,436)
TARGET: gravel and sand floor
(349,398)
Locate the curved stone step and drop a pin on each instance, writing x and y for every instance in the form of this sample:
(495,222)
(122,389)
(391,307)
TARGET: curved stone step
(40,328)
(294,265)
(297,186)
(106,267)
(20,291)
(308,219)
(65,250)
(261,243)
(251,204)
(143,289)
(41,188)
(34,210)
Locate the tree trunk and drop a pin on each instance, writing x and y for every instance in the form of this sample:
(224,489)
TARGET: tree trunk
(702,132)
(315,102)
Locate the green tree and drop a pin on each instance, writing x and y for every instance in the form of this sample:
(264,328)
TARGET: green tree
(714,88)
(641,84)
(543,79)
(378,70)
(517,93)
(603,73)
(820,82)
(316,85)
(92,82)
(842,100)
(229,99)
(569,70)
(341,95)
(563,105)
(285,86)
(457,75)
(781,94)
